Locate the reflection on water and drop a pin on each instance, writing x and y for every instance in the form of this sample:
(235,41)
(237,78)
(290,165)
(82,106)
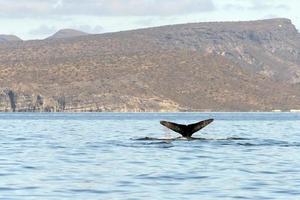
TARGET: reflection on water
(131,156)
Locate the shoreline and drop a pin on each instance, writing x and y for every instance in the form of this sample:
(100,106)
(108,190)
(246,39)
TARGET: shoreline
(157,112)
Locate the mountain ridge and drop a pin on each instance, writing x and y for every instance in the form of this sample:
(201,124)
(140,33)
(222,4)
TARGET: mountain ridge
(218,66)
(9,38)
(67,33)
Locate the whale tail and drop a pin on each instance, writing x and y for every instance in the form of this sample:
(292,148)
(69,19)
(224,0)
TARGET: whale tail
(186,130)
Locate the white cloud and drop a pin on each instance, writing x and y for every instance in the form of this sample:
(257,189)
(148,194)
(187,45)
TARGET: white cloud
(19,8)
(43,30)
(256,5)
(89,29)
(38,8)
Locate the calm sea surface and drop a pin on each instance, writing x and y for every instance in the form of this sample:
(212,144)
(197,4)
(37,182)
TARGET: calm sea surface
(106,156)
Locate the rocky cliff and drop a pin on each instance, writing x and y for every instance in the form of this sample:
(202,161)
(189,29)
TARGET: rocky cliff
(221,66)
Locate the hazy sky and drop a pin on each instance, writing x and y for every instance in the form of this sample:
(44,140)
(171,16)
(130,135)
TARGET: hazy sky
(31,19)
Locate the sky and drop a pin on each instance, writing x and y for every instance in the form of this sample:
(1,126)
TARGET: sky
(38,19)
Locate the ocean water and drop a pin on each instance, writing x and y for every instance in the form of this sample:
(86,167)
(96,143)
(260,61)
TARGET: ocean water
(107,156)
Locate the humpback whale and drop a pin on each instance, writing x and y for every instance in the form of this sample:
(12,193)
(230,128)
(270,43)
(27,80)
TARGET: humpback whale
(186,130)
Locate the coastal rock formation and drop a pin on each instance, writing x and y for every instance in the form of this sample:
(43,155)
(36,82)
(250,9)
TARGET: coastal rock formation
(216,66)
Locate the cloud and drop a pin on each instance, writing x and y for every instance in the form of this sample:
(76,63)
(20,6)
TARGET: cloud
(264,5)
(19,8)
(155,7)
(256,5)
(43,30)
(89,29)
(38,8)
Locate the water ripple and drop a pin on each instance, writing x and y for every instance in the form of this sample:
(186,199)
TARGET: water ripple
(81,156)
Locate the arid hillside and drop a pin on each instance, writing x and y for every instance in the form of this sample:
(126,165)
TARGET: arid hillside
(221,66)
(9,38)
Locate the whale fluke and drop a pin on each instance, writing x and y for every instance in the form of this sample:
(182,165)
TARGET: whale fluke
(186,130)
